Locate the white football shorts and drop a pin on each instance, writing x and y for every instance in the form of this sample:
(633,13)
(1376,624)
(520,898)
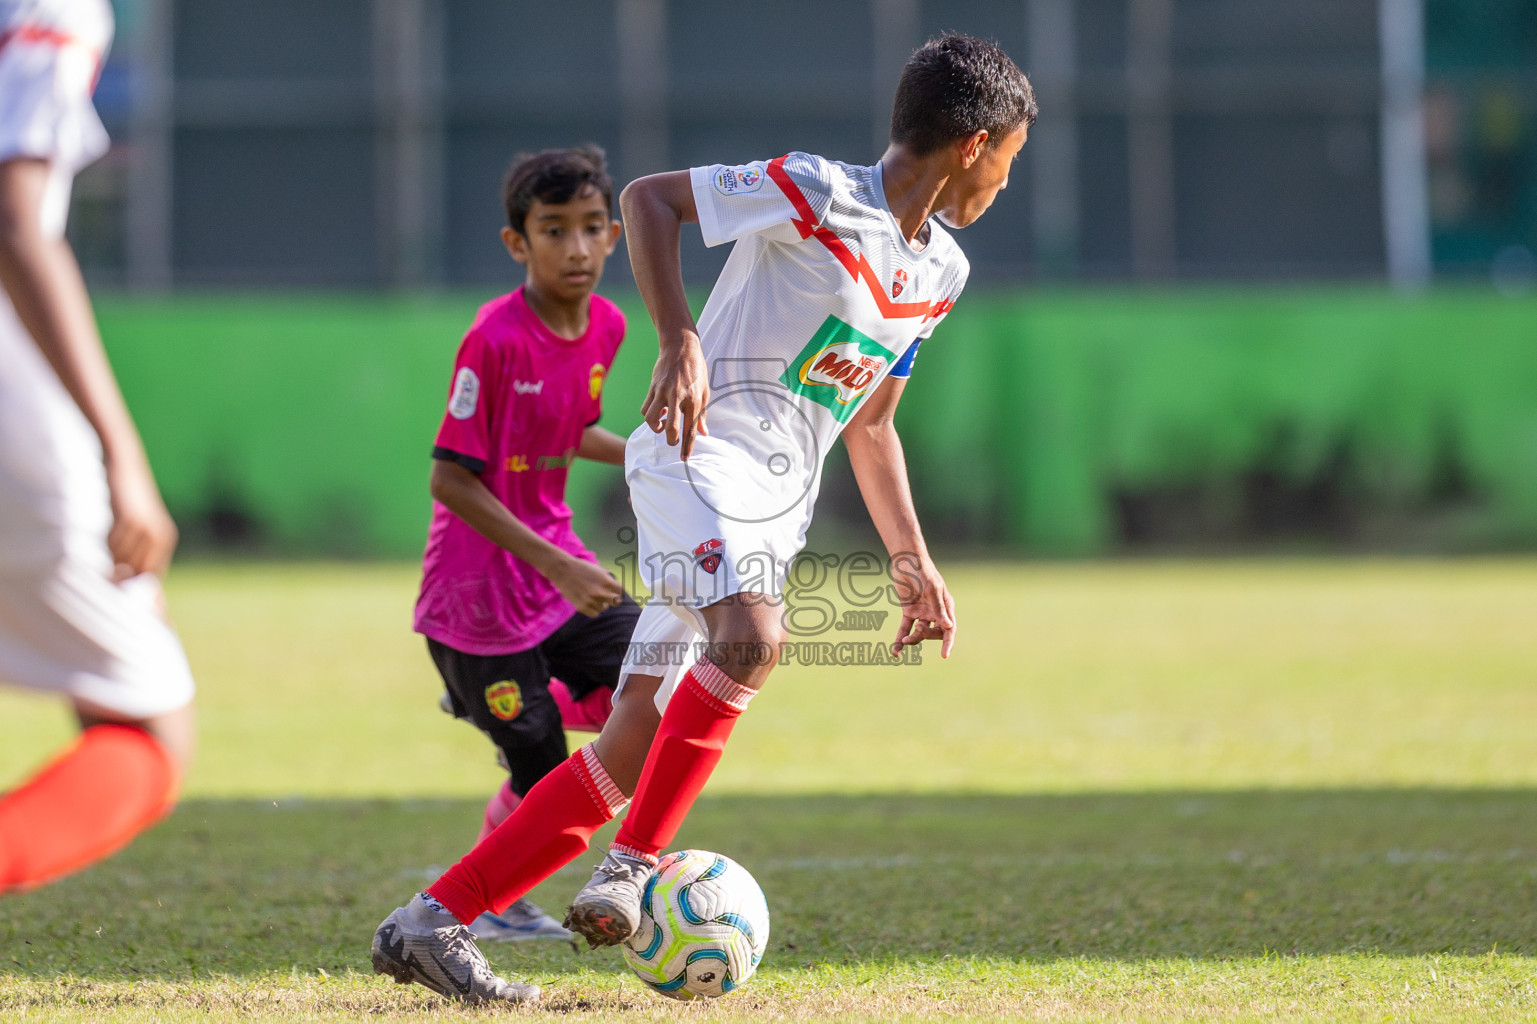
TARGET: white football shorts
(65,627)
(706,529)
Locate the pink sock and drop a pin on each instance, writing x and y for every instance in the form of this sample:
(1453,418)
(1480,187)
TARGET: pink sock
(502,803)
(587,714)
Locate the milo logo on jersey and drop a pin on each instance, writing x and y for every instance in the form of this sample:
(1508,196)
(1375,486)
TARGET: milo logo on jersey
(837,368)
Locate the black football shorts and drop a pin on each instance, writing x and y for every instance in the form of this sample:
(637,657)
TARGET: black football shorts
(508,695)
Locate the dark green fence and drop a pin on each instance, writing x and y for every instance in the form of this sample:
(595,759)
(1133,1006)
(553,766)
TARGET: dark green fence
(1062,423)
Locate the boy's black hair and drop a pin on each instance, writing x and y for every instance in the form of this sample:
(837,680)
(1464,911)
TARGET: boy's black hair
(554,176)
(954,86)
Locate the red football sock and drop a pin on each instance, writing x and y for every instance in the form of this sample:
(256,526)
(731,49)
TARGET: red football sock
(110,785)
(688,745)
(551,826)
(501,804)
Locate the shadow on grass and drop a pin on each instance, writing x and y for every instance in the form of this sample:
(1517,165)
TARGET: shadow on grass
(244,887)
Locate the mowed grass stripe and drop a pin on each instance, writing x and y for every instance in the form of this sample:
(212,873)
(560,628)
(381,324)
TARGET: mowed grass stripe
(1066,678)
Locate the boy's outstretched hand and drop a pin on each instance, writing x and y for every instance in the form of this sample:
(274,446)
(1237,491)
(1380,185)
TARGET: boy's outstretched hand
(143,536)
(589,587)
(928,611)
(679,393)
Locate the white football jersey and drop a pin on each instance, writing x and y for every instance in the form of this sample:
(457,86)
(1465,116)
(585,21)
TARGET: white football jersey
(820,296)
(51,52)
(50,460)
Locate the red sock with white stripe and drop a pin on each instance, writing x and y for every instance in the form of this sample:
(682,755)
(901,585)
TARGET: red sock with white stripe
(550,827)
(688,746)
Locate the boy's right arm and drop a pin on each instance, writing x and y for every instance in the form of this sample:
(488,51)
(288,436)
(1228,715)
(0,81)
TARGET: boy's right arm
(588,587)
(655,208)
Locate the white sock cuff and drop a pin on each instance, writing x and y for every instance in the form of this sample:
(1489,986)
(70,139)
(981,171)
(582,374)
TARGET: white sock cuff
(633,853)
(709,678)
(603,787)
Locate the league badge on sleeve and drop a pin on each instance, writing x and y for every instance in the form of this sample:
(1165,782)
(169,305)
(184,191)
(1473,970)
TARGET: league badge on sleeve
(461,405)
(731,181)
(708,555)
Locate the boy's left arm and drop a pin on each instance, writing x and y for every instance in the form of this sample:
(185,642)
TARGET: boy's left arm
(875,452)
(601,445)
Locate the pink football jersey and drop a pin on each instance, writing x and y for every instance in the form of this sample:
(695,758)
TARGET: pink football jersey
(520,399)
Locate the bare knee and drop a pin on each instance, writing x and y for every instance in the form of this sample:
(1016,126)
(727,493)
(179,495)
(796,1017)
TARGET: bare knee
(748,635)
(626,737)
(176,731)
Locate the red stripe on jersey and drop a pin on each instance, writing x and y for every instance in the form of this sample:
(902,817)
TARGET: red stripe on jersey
(858,266)
(51,37)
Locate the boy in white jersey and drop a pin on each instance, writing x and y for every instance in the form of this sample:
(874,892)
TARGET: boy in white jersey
(837,273)
(83,532)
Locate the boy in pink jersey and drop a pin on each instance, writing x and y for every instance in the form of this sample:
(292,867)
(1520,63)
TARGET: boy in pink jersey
(836,274)
(510,595)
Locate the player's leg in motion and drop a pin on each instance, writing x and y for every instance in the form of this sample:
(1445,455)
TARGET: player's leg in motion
(112,782)
(426,941)
(688,745)
(508,697)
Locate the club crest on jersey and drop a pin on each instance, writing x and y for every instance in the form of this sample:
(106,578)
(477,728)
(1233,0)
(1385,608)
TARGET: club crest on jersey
(898,282)
(461,404)
(730,181)
(595,380)
(838,368)
(505,699)
(708,555)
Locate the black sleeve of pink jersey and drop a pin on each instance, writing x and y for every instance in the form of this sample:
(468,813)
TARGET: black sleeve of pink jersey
(465,434)
(469,462)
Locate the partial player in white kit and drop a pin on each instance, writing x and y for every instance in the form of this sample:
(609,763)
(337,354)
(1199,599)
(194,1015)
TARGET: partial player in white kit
(838,272)
(84,535)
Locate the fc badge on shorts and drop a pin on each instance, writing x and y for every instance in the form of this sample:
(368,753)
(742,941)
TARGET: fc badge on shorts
(505,699)
(708,555)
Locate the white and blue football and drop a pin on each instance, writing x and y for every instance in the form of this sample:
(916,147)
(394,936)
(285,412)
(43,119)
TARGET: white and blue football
(704,925)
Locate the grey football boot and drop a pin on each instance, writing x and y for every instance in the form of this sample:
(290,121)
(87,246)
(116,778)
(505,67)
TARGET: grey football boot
(607,910)
(410,947)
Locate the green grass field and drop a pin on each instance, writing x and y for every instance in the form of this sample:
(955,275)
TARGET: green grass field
(1233,791)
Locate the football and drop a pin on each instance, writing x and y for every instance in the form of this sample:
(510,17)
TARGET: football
(703,926)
